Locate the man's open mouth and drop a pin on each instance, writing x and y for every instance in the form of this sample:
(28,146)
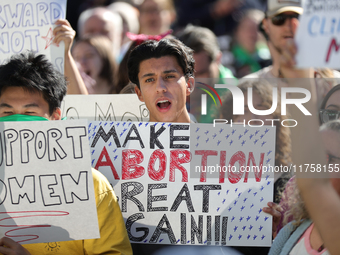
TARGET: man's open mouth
(163,104)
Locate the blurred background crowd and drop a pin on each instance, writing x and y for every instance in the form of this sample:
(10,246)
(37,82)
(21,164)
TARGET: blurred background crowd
(223,33)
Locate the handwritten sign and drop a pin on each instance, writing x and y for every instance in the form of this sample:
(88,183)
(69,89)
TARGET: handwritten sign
(46,182)
(125,107)
(318,35)
(188,183)
(28,25)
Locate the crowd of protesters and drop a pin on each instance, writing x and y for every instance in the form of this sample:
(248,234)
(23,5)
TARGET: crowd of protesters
(109,45)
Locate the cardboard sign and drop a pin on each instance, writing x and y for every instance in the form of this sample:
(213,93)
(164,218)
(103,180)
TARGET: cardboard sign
(28,25)
(46,182)
(318,35)
(188,183)
(126,107)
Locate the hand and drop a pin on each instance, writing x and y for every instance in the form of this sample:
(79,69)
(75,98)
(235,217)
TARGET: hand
(287,63)
(10,247)
(274,210)
(64,32)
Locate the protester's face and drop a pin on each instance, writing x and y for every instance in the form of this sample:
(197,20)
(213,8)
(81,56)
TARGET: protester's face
(204,67)
(248,115)
(247,35)
(333,102)
(98,25)
(154,19)
(164,88)
(88,59)
(278,35)
(331,143)
(17,100)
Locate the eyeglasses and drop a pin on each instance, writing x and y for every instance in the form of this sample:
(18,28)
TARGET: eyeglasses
(331,158)
(280,19)
(328,115)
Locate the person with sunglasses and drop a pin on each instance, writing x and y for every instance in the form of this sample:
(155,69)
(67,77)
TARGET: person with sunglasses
(278,27)
(280,24)
(330,105)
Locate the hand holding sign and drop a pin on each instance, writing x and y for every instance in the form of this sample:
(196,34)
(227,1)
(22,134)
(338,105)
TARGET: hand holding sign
(274,210)
(64,32)
(29,26)
(8,246)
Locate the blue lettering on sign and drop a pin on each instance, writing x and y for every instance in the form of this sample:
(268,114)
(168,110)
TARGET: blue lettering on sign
(310,25)
(15,41)
(28,18)
(25,14)
(19,24)
(323,26)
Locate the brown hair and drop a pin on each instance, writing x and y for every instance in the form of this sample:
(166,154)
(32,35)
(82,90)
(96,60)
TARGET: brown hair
(123,77)
(104,48)
(297,211)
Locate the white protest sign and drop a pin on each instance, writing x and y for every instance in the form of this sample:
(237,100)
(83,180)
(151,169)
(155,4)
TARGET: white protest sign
(174,186)
(46,182)
(125,107)
(318,35)
(28,25)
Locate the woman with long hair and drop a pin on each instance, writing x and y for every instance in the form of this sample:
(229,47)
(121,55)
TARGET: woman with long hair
(97,63)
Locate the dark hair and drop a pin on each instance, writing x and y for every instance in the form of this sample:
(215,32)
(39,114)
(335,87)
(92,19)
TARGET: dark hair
(325,99)
(164,47)
(122,76)
(263,32)
(200,39)
(34,74)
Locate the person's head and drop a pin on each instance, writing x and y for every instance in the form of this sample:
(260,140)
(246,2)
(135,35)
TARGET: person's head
(129,16)
(207,52)
(156,16)
(330,105)
(330,135)
(281,21)
(101,21)
(262,96)
(246,34)
(164,74)
(30,85)
(95,58)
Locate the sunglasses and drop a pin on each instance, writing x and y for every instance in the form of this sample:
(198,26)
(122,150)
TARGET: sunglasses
(329,115)
(280,19)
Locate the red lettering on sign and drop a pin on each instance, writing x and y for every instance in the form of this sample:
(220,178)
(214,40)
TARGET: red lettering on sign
(333,44)
(233,176)
(106,162)
(205,154)
(159,174)
(130,167)
(177,158)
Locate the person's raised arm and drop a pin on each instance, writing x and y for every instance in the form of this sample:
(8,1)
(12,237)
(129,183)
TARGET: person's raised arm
(64,32)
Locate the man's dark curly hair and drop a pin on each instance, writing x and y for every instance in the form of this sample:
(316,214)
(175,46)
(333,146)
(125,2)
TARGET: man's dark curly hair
(158,49)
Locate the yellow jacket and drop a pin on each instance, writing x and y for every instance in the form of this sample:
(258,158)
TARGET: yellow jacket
(113,236)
